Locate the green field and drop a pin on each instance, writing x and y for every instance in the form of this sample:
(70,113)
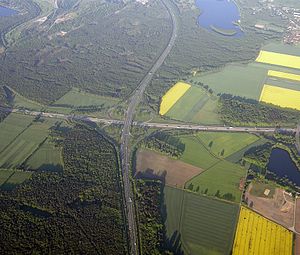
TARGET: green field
(11,127)
(223,144)
(21,145)
(247,80)
(221,177)
(196,105)
(238,155)
(221,180)
(199,224)
(78,98)
(281,47)
(46,158)
(22,102)
(196,154)
(12,177)
(236,79)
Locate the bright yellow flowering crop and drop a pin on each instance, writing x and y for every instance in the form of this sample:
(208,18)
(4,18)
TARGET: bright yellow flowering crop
(278,59)
(257,235)
(280,96)
(289,76)
(172,96)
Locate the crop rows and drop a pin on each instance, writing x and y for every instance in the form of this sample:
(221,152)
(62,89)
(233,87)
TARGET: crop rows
(257,235)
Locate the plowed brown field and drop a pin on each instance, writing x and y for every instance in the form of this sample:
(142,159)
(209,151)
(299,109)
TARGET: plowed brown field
(174,172)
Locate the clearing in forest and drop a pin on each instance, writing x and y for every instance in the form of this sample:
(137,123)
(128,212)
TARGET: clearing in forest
(280,96)
(172,96)
(257,235)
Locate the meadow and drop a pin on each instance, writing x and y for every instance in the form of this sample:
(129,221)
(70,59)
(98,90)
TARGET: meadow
(197,106)
(221,180)
(247,80)
(10,178)
(78,98)
(199,224)
(23,139)
(47,158)
(224,144)
(256,235)
(196,154)
(12,126)
(235,79)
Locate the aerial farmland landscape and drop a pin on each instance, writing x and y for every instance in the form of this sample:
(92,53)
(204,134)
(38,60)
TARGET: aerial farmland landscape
(149,127)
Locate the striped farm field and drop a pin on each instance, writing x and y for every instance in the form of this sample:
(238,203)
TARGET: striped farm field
(278,59)
(280,96)
(199,225)
(288,76)
(172,96)
(257,235)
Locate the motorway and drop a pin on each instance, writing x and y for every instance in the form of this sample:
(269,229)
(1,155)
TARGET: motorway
(134,100)
(151,124)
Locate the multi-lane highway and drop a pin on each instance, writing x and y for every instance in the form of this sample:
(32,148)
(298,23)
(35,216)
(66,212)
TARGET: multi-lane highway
(151,124)
(134,100)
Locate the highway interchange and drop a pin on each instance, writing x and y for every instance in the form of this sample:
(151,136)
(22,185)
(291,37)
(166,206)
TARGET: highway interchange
(133,102)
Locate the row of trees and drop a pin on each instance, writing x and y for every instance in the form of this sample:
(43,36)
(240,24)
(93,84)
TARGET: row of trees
(166,143)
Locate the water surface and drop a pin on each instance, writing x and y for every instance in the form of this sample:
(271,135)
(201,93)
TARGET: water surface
(282,165)
(220,15)
(4,12)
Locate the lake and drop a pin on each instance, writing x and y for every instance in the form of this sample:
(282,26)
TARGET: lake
(4,12)
(282,165)
(220,16)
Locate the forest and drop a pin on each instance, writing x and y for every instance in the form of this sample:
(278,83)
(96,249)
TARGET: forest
(77,211)
(236,110)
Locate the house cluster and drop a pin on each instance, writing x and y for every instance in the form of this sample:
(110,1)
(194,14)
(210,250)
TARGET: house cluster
(293,31)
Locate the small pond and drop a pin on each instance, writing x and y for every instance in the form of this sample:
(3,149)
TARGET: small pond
(281,164)
(220,16)
(4,12)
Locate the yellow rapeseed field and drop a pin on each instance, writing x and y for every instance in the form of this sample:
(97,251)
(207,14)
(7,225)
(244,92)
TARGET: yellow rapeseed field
(289,76)
(279,59)
(280,96)
(172,96)
(257,235)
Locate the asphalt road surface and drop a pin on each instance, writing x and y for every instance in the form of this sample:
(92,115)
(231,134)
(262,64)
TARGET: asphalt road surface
(151,124)
(124,150)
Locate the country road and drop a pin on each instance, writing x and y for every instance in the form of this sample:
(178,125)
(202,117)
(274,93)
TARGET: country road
(124,150)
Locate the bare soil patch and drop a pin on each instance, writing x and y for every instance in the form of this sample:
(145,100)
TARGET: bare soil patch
(277,208)
(174,172)
(297,220)
(297,245)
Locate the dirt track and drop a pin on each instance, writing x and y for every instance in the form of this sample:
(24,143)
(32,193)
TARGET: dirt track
(154,165)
